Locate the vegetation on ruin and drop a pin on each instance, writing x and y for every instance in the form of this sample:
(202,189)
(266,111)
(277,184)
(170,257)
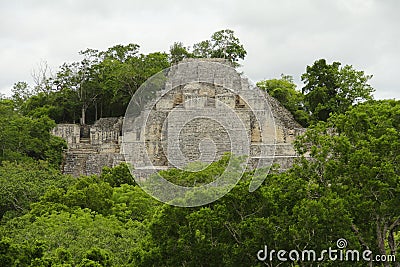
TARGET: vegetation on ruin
(349,188)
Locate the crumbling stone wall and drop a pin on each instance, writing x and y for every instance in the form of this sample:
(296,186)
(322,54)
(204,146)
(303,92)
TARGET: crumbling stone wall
(69,132)
(170,114)
(106,130)
(199,138)
(88,155)
(287,129)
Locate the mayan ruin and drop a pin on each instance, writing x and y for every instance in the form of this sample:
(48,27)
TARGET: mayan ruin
(92,147)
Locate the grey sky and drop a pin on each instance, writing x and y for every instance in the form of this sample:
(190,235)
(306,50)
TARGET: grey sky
(280,36)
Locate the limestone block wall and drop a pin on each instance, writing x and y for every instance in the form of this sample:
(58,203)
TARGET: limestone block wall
(69,132)
(199,139)
(170,117)
(88,155)
(106,130)
(78,163)
(287,129)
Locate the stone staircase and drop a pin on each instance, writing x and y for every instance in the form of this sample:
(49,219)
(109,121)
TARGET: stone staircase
(91,147)
(86,159)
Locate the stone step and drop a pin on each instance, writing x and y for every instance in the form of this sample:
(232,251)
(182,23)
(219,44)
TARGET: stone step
(82,151)
(83,146)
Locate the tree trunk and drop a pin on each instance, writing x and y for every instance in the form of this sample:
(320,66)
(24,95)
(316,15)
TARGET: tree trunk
(83,122)
(361,240)
(95,115)
(381,230)
(391,239)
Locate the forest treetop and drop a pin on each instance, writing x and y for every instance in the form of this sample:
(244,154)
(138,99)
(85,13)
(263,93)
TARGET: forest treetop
(350,189)
(103,82)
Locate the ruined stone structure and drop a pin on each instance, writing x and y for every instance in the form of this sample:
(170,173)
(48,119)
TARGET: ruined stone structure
(91,147)
(199,112)
(172,137)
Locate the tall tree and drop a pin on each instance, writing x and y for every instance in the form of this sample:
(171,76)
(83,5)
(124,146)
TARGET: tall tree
(226,45)
(203,49)
(42,76)
(76,77)
(330,88)
(356,155)
(21,92)
(223,44)
(23,138)
(177,52)
(96,79)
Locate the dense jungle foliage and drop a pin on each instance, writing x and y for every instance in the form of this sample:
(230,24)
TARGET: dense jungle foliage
(345,184)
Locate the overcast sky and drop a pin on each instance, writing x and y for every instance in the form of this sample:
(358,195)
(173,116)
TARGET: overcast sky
(280,36)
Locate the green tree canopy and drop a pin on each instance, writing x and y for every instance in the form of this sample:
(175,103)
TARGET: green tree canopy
(356,155)
(284,90)
(22,184)
(177,52)
(222,44)
(100,85)
(330,88)
(23,138)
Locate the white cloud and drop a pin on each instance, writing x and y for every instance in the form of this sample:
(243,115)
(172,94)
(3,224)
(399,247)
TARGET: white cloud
(280,36)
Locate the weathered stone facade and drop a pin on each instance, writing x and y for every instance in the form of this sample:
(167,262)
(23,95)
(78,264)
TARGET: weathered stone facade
(169,132)
(91,147)
(173,136)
